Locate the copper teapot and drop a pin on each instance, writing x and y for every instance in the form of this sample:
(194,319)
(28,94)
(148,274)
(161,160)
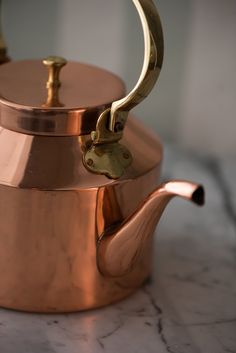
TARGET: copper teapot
(80,192)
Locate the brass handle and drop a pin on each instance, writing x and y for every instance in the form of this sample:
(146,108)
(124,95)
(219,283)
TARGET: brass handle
(106,155)
(153,59)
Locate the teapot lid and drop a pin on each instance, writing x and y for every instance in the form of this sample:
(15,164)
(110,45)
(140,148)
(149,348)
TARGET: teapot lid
(55,97)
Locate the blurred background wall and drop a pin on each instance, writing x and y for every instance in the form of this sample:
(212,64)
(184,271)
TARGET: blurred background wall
(194,103)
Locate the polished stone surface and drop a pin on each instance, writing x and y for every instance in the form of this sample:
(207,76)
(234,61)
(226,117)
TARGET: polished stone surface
(189,305)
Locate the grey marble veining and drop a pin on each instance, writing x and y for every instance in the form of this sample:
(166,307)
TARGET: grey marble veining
(189,305)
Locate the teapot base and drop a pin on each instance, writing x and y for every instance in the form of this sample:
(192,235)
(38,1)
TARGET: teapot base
(59,310)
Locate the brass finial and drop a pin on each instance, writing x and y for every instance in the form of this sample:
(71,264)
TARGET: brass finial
(54,64)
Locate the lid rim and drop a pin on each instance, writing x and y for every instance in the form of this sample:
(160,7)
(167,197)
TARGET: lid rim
(51,123)
(45,110)
(25,81)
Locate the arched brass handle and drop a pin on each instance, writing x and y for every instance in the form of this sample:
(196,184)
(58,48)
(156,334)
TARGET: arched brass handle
(153,59)
(106,155)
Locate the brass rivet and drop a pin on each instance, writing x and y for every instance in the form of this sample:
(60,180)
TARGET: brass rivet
(126,155)
(119,127)
(90,162)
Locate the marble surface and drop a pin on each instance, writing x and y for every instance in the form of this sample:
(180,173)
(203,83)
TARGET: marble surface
(189,305)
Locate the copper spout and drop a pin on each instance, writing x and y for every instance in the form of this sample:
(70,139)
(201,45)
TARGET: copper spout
(121,249)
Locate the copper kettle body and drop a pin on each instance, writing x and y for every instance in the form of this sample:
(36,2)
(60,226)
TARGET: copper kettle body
(80,192)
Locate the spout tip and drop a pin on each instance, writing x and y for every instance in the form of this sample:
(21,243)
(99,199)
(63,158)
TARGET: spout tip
(198,196)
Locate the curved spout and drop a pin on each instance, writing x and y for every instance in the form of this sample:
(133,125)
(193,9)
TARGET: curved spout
(120,249)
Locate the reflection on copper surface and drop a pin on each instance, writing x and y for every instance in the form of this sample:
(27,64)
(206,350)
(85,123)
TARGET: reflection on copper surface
(108,211)
(13,155)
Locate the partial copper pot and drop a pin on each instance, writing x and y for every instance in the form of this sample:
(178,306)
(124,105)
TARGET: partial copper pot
(80,192)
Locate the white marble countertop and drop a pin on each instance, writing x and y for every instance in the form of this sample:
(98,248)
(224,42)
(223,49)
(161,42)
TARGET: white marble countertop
(188,306)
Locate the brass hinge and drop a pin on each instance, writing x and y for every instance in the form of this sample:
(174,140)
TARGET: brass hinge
(107,155)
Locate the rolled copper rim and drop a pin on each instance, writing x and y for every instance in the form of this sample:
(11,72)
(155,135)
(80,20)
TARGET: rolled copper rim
(53,122)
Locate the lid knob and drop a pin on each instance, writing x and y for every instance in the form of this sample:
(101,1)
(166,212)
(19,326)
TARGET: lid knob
(54,64)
